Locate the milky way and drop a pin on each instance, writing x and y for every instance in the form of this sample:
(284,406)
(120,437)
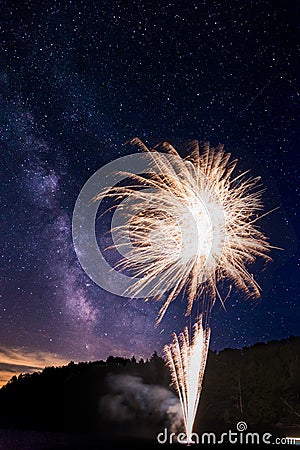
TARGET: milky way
(78,80)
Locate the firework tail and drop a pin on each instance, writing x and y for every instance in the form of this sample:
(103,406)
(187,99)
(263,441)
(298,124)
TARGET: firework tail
(186,358)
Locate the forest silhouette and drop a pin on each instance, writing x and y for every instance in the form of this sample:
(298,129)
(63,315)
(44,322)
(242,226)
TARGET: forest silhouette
(259,385)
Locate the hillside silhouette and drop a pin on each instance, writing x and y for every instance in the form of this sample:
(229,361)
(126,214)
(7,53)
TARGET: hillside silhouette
(259,385)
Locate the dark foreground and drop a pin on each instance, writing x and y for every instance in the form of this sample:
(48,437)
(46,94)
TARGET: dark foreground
(122,403)
(37,440)
(11,439)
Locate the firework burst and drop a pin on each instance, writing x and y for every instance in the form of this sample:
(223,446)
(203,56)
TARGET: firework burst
(186,359)
(187,224)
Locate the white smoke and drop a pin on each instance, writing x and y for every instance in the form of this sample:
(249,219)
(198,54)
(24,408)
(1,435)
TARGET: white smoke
(130,399)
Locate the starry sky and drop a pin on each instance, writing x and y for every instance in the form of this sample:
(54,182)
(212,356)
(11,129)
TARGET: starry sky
(78,80)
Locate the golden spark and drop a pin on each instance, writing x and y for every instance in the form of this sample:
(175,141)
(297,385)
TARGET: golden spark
(190,224)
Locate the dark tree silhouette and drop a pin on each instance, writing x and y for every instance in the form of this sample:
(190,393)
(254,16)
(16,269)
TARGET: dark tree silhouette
(259,384)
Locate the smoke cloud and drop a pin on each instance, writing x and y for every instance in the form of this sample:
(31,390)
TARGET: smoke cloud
(130,400)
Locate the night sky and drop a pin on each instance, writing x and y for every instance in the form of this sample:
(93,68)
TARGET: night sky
(78,80)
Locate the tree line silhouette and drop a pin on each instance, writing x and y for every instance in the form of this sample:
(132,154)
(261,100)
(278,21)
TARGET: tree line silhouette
(259,385)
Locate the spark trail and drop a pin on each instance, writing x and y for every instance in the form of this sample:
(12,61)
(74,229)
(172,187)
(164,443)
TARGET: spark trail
(186,359)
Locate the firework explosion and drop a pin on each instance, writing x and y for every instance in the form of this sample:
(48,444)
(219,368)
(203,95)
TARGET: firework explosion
(186,359)
(182,227)
(187,224)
